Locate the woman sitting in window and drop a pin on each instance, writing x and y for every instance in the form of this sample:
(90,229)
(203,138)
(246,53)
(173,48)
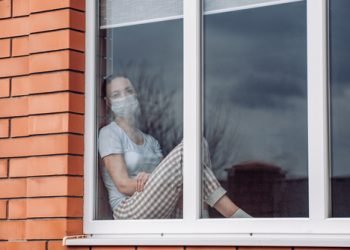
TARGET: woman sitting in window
(140,183)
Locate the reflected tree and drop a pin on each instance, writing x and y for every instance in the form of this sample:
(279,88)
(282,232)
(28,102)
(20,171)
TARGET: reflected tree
(161,119)
(158,111)
(221,132)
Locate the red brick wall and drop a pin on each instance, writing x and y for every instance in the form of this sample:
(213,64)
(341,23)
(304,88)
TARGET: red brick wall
(41,122)
(41,125)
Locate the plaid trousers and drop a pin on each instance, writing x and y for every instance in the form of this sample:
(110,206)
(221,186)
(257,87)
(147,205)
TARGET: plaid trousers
(163,190)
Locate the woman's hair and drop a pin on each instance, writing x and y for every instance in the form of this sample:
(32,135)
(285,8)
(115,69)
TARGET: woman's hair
(108,114)
(109,79)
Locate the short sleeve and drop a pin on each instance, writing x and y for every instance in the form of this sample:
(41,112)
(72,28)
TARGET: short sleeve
(109,142)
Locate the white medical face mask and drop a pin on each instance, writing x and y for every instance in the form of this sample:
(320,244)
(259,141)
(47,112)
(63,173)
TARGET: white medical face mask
(126,106)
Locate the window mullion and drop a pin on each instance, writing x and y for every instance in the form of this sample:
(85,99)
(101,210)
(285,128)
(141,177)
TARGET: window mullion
(192,131)
(317,109)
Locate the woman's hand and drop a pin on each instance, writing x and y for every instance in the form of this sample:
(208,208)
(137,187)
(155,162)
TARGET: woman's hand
(116,167)
(141,180)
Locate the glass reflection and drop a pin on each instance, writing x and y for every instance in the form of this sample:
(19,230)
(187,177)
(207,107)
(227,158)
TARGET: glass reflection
(340,108)
(255,107)
(139,116)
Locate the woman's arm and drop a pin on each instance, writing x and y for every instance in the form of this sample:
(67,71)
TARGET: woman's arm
(116,168)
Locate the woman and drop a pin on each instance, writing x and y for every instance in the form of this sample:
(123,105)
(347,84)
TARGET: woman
(140,183)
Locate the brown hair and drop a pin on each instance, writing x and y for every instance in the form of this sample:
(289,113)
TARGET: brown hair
(109,79)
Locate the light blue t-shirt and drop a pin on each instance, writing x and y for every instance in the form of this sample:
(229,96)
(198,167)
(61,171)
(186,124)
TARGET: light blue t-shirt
(138,158)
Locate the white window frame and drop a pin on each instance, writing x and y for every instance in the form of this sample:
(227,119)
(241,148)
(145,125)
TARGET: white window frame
(317,230)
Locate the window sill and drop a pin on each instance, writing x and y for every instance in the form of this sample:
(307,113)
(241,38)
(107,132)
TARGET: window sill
(306,240)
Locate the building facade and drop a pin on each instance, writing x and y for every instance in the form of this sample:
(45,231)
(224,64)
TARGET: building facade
(42,108)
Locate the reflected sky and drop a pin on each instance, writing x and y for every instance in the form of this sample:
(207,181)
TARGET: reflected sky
(158,47)
(340,86)
(255,84)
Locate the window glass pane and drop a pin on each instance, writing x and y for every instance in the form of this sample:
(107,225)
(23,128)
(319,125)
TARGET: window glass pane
(340,108)
(255,112)
(139,114)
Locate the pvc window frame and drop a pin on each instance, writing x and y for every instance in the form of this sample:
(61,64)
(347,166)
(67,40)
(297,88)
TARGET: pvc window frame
(316,230)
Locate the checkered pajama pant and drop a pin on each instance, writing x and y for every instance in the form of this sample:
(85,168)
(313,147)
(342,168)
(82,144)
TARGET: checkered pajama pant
(163,190)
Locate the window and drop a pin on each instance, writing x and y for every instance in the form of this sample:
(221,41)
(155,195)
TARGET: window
(250,79)
(339,111)
(150,54)
(255,106)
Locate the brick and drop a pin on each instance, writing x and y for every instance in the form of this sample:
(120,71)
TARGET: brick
(57,102)
(42,145)
(42,5)
(12,230)
(264,248)
(77,40)
(64,80)
(76,123)
(20,245)
(20,7)
(13,106)
(13,188)
(76,103)
(4,128)
(73,123)
(75,165)
(19,127)
(116,248)
(48,82)
(53,229)
(54,186)
(58,60)
(3,168)
(5,45)
(57,40)
(75,207)
(13,66)
(46,165)
(77,60)
(57,245)
(20,46)
(77,20)
(20,85)
(58,19)
(17,209)
(171,248)
(14,27)
(76,144)
(5,8)
(49,207)
(4,87)
(47,124)
(209,248)
(54,207)
(3,209)
(319,248)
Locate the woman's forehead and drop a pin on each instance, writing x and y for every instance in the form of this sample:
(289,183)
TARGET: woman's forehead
(119,84)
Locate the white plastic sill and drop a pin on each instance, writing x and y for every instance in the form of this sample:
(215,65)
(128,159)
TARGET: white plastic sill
(291,240)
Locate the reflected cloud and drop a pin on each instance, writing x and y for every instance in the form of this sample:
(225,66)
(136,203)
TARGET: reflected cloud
(255,70)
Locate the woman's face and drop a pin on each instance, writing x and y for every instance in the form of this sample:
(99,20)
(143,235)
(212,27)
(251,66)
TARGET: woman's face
(119,88)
